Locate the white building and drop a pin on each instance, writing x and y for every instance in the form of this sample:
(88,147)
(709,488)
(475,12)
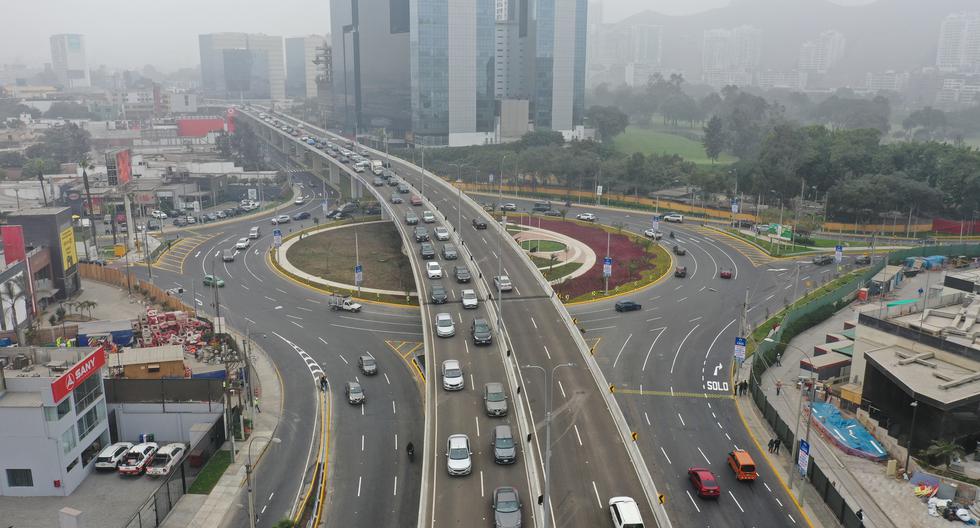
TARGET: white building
(959,43)
(730,54)
(69,62)
(886,81)
(242,65)
(792,79)
(52,419)
(959,91)
(301,67)
(822,53)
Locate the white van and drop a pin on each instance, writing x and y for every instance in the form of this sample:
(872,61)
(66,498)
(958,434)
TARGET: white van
(625,513)
(255,233)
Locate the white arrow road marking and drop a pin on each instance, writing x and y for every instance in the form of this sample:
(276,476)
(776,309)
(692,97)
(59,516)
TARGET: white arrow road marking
(717,368)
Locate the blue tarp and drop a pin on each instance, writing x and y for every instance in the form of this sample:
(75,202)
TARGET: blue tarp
(847,431)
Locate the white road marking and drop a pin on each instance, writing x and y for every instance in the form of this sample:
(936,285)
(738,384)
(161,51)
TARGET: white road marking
(788,286)
(269,298)
(791,518)
(249,320)
(672,363)
(728,437)
(577,435)
(359,482)
(374,329)
(393,410)
(599,328)
(698,318)
(703,455)
(535,324)
(682,299)
(679,414)
(342,358)
(362,442)
(312,301)
(294,317)
(647,416)
(281,290)
(679,287)
(297,324)
(594,488)
(665,455)
(547,354)
(736,501)
(562,389)
(386,378)
(652,319)
(322,341)
(482,492)
(599,319)
(768,489)
(621,350)
(395,492)
(692,501)
(198,254)
(647,358)
(304,309)
(805,278)
(770,297)
(244,286)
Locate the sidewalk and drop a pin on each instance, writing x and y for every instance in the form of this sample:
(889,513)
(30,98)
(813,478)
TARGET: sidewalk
(580,252)
(862,483)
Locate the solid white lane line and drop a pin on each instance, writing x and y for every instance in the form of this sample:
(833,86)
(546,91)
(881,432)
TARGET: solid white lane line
(680,346)
(535,324)
(395,492)
(562,389)
(322,341)
(548,354)
(647,358)
(681,417)
(736,501)
(703,455)
(393,410)
(713,341)
(577,435)
(692,501)
(358,486)
(615,361)
(665,455)
(597,498)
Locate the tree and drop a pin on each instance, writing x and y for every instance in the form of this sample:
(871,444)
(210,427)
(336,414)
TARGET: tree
(714,138)
(541,138)
(945,451)
(608,121)
(34,167)
(11,160)
(68,110)
(65,144)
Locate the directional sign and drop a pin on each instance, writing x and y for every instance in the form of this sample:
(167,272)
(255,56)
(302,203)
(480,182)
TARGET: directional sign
(598,190)
(804,457)
(656,222)
(734,206)
(839,254)
(253,194)
(277,237)
(740,348)
(358,275)
(607,267)
(325,206)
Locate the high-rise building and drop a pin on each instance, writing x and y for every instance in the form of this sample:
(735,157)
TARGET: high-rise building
(242,65)
(820,54)
(959,43)
(301,65)
(69,62)
(646,42)
(559,29)
(730,54)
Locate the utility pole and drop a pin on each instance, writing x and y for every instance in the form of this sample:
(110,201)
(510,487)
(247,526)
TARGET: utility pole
(798,208)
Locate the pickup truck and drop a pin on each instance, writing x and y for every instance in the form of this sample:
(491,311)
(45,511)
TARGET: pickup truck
(339,302)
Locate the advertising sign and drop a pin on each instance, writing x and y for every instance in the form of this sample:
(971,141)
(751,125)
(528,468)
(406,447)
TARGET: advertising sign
(740,348)
(656,223)
(598,190)
(64,384)
(607,267)
(734,206)
(253,194)
(358,275)
(124,166)
(804,459)
(277,237)
(838,254)
(13,243)
(68,255)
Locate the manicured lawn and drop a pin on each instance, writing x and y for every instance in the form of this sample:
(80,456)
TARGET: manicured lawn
(560,270)
(211,473)
(651,141)
(542,245)
(331,256)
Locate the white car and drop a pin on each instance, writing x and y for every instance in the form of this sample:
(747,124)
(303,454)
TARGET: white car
(469,299)
(444,325)
(243,243)
(654,234)
(458,461)
(166,459)
(441,233)
(281,219)
(434,270)
(135,460)
(110,457)
(588,217)
(674,217)
(502,283)
(428,217)
(158,214)
(452,375)
(624,512)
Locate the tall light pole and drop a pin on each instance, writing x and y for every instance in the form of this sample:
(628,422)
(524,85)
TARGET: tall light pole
(908,451)
(549,387)
(249,478)
(459,194)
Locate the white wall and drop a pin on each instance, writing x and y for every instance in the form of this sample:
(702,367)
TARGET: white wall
(174,425)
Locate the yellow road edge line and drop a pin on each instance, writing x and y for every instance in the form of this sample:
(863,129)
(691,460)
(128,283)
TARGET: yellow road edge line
(326,464)
(759,252)
(306,499)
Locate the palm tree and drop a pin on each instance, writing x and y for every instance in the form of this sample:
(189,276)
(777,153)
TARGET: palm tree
(945,451)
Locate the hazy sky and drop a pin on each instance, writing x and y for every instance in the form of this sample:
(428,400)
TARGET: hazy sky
(131,33)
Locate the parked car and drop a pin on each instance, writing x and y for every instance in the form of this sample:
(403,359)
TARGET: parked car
(446,328)
(479,223)
(367,365)
(495,399)
(674,217)
(627,306)
(704,482)
(587,217)
(502,442)
(502,283)
(452,373)
(462,274)
(506,507)
(438,294)
(166,459)
(137,458)
(469,299)
(110,457)
(481,332)
(862,260)
(458,461)
(354,392)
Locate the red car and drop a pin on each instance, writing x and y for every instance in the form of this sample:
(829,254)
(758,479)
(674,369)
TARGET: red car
(416,200)
(704,482)
(726,274)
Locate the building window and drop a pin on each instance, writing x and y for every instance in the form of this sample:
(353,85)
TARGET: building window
(53,414)
(71,466)
(20,478)
(68,441)
(92,451)
(87,392)
(89,420)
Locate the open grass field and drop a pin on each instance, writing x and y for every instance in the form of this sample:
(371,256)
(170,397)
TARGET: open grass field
(654,141)
(331,256)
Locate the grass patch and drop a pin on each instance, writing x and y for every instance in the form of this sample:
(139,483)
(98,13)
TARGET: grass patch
(539,261)
(776,250)
(542,245)
(211,473)
(331,255)
(650,141)
(560,270)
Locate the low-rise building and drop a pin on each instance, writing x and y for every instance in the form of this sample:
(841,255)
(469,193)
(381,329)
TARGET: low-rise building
(148,363)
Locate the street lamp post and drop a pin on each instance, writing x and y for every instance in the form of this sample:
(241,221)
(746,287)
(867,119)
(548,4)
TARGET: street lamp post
(459,194)
(249,478)
(549,382)
(908,454)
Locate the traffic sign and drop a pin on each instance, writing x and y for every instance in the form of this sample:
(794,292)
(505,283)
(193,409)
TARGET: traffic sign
(325,206)
(734,205)
(656,222)
(803,460)
(839,254)
(598,190)
(607,267)
(276,240)
(253,194)
(277,232)
(740,348)
(358,275)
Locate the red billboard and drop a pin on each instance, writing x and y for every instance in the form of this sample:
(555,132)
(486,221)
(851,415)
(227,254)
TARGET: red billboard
(13,243)
(199,126)
(80,372)
(124,166)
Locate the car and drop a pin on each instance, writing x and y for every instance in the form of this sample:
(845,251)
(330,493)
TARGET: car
(393,182)
(462,274)
(508,207)
(421,234)
(166,459)
(502,442)
(212,281)
(862,260)
(481,332)
(254,233)
(299,200)
(725,273)
(452,373)
(446,328)
(441,233)
(211,217)
(411,218)
(427,251)
(506,507)
(367,365)
(438,294)
(469,299)
(680,271)
(180,222)
(674,218)
(377,182)
(243,243)
(228,255)
(449,252)
(823,260)
(110,457)
(403,188)
(653,233)
(190,220)
(220,214)
(433,270)
(428,217)
(586,217)
(502,283)
(354,392)
(704,482)
(552,212)
(494,399)
(625,513)
(458,461)
(396,199)
(156,213)
(678,250)
(627,306)
(479,223)
(281,219)
(135,460)
(742,465)
(415,200)
(302,215)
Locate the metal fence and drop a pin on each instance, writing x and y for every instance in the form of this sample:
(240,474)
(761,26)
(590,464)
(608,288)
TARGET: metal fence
(156,508)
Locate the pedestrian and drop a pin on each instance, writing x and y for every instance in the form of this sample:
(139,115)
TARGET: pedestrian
(779,386)
(920,292)
(775,446)
(257,409)
(745,386)
(779,359)
(826,394)
(772,442)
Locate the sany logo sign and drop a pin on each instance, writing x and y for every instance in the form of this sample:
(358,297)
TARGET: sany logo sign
(67,382)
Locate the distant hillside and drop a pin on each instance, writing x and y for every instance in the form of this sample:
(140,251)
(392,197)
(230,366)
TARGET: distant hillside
(885,35)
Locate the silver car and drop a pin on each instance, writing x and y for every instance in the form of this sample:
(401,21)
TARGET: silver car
(502,283)
(504,447)
(452,375)
(495,399)
(458,461)
(506,507)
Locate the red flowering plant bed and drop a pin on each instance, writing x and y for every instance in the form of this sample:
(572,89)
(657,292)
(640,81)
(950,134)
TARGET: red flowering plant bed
(637,261)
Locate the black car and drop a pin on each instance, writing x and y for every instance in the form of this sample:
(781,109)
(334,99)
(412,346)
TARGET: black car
(411,218)
(680,271)
(368,365)
(480,330)
(680,251)
(479,223)
(462,274)
(427,251)
(627,306)
(421,234)
(438,294)
(863,260)
(823,260)
(302,215)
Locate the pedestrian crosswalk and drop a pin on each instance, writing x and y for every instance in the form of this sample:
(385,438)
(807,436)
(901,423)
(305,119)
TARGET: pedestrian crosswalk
(755,255)
(172,259)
